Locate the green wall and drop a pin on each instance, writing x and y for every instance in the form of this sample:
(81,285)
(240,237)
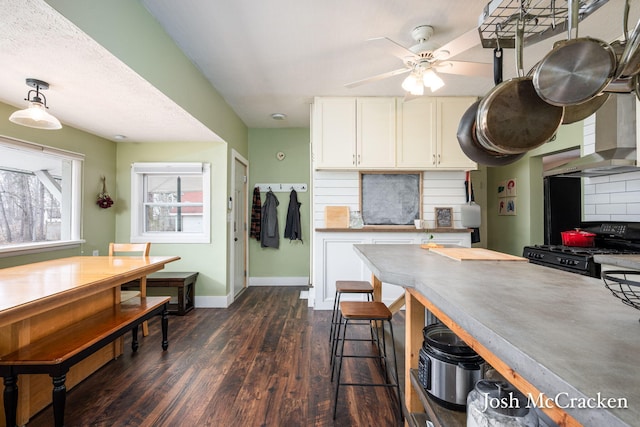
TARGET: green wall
(292,258)
(98,225)
(510,234)
(210,259)
(128,31)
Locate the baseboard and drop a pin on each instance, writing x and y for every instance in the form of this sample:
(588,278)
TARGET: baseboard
(279,281)
(213,302)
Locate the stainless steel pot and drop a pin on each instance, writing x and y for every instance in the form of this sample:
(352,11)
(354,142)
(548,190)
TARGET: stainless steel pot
(447,368)
(512,118)
(494,403)
(472,149)
(575,70)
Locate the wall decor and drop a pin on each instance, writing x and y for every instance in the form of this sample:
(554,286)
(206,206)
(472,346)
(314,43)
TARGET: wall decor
(511,188)
(502,189)
(444,217)
(507,206)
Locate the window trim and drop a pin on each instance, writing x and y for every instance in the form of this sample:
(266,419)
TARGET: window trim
(138,171)
(73,204)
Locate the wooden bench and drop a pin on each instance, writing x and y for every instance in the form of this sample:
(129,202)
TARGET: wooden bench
(55,353)
(185,282)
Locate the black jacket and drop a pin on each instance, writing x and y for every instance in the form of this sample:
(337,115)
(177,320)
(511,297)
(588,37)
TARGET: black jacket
(292,229)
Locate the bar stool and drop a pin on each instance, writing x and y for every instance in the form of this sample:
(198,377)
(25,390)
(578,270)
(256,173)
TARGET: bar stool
(369,311)
(345,287)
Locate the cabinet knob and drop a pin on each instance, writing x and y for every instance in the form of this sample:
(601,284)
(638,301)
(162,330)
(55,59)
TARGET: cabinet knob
(434,159)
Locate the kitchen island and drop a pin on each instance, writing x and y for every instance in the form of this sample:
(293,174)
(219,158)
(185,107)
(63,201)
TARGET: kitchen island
(545,330)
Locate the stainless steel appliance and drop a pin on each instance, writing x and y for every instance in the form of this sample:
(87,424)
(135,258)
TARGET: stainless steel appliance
(447,368)
(611,238)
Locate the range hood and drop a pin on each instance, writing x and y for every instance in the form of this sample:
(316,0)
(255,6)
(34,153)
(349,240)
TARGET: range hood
(615,145)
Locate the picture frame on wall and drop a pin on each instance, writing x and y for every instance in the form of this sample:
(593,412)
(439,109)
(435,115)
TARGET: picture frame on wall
(444,217)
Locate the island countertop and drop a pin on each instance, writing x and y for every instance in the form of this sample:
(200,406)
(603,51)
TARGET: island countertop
(562,332)
(623,261)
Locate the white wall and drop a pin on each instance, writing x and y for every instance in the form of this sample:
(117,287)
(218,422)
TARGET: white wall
(440,189)
(609,198)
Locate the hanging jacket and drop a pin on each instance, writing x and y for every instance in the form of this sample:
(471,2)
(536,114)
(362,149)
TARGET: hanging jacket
(256,214)
(269,234)
(292,229)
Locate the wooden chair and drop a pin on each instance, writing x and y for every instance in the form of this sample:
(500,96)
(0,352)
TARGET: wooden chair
(133,249)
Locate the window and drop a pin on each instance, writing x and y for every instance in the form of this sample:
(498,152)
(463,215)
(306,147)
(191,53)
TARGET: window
(40,194)
(170,202)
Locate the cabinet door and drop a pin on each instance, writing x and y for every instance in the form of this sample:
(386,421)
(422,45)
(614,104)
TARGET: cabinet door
(334,133)
(449,154)
(416,136)
(376,133)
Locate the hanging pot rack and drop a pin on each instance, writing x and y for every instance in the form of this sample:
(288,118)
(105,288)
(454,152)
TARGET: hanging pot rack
(544,19)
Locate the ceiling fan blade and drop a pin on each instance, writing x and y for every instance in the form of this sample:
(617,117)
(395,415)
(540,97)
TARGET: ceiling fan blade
(396,49)
(474,69)
(463,43)
(377,77)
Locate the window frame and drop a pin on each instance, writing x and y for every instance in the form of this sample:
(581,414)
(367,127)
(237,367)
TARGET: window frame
(138,172)
(73,164)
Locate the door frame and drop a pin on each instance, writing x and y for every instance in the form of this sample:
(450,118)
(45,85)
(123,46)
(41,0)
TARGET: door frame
(237,157)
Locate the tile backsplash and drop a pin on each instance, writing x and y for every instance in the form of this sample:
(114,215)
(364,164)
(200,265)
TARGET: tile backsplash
(613,197)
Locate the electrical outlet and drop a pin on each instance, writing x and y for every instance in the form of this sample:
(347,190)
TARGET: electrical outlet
(96,252)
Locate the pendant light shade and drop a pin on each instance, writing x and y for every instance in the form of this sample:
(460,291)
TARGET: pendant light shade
(36,115)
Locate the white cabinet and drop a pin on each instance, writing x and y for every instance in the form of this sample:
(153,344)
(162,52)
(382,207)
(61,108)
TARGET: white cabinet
(449,154)
(351,132)
(426,136)
(416,137)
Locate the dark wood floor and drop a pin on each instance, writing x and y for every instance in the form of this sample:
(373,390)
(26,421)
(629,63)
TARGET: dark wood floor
(262,362)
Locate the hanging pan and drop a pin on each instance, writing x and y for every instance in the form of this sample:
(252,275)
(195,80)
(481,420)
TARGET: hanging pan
(467,127)
(629,64)
(575,70)
(512,118)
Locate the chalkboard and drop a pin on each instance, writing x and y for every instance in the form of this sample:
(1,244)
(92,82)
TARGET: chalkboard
(390,198)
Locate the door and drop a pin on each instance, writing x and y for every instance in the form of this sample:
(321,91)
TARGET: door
(240,227)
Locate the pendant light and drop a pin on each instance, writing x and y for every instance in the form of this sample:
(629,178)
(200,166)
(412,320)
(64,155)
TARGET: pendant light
(36,115)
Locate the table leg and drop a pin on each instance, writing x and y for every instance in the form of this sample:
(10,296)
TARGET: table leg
(143,294)
(10,399)
(414,312)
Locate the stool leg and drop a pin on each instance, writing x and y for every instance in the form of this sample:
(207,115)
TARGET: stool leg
(334,343)
(395,368)
(333,316)
(335,401)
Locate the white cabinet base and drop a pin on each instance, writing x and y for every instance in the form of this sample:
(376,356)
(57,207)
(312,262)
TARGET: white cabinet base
(335,259)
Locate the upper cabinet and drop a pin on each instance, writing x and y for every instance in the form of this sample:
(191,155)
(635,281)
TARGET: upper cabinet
(353,133)
(427,129)
(387,133)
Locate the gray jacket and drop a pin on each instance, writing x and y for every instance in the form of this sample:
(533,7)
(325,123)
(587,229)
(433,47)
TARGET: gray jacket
(269,233)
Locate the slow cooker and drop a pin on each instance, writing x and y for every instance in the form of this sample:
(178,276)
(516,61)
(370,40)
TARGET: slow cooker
(447,368)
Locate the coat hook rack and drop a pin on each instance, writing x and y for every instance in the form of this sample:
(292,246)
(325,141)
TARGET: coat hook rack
(281,187)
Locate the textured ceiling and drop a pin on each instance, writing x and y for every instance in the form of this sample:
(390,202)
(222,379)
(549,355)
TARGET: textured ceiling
(262,56)
(90,89)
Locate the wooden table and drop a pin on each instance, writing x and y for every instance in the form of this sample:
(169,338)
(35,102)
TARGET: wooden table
(37,299)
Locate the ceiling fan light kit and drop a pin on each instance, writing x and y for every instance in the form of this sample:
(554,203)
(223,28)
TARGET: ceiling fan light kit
(36,115)
(425,57)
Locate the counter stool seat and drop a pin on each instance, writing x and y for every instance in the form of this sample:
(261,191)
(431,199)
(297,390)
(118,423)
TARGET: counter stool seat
(345,287)
(354,313)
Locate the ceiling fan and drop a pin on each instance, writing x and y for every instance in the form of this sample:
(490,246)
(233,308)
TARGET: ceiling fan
(425,60)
